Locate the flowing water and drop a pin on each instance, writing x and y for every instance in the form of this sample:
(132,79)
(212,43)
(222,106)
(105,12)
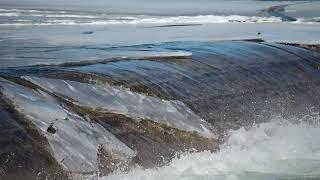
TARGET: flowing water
(274,150)
(152,90)
(226,90)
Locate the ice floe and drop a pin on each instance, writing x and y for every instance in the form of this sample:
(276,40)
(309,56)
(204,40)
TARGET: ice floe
(119,100)
(75,142)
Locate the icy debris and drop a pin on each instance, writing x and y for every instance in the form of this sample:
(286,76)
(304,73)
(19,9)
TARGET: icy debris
(51,129)
(118,100)
(75,142)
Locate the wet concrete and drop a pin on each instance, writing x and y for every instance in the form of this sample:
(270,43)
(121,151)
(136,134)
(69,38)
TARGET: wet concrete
(156,144)
(229,84)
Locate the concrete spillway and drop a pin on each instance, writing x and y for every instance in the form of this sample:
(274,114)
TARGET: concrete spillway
(90,118)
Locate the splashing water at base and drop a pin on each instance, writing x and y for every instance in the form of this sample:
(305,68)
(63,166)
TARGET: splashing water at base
(273,150)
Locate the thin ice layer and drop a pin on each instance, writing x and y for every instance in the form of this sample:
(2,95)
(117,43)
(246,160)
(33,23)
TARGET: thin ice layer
(60,55)
(76,141)
(122,101)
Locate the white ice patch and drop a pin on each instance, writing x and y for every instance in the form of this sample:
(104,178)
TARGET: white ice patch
(75,143)
(268,151)
(123,101)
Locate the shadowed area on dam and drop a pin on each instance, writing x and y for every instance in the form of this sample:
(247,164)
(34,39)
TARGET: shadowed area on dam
(145,104)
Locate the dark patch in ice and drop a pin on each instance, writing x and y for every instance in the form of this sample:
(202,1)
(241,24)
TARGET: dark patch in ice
(278,11)
(51,129)
(87,32)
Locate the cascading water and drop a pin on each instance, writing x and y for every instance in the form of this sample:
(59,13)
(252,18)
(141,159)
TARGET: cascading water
(275,150)
(132,112)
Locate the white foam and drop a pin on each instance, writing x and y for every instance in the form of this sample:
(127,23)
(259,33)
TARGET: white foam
(80,18)
(268,151)
(10,14)
(201,19)
(145,20)
(62,16)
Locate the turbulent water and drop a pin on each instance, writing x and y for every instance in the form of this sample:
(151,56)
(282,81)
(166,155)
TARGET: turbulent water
(29,17)
(35,17)
(274,150)
(155,13)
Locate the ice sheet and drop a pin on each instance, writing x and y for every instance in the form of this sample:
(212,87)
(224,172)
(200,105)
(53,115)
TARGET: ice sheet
(75,143)
(123,101)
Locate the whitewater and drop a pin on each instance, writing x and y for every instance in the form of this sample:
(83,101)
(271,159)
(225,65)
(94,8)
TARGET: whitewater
(32,17)
(279,149)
